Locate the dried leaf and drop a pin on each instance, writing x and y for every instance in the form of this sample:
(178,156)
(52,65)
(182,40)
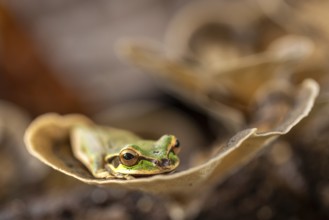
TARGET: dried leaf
(272,104)
(189,82)
(192,22)
(208,57)
(217,92)
(306,18)
(47,139)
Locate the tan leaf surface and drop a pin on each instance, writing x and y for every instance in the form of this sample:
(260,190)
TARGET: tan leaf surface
(47,139)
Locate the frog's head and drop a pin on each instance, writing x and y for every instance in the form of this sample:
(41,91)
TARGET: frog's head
(145,157)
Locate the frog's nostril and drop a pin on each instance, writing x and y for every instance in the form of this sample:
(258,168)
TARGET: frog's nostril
(156,162)
(165,162)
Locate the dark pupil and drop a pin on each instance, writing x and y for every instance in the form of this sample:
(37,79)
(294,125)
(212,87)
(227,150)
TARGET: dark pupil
(128,156)
(177,144)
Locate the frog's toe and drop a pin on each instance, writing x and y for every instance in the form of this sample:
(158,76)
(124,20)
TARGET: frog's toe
(128,177)
(102,174)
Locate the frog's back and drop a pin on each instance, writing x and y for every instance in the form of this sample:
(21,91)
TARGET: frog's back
(116,138)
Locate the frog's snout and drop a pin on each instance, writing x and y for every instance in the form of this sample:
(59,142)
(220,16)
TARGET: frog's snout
(163,163)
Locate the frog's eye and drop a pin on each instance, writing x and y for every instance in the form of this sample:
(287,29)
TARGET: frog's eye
(128,157)
(176,147)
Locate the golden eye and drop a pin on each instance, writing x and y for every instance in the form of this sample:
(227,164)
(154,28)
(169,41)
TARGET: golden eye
(176,147)
(128,157)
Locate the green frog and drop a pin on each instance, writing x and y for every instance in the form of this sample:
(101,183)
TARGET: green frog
(115,153)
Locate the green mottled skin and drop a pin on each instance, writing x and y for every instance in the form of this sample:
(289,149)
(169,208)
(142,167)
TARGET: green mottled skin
(147,165)
(91,145)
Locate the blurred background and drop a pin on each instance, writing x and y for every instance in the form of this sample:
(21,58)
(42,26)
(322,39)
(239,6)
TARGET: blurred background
(73,43)
(61,56)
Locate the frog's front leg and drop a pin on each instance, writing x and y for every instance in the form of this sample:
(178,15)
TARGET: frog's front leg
(122,176)
(97,167)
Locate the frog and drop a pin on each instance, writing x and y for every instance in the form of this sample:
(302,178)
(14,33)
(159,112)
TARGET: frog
(113,153)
